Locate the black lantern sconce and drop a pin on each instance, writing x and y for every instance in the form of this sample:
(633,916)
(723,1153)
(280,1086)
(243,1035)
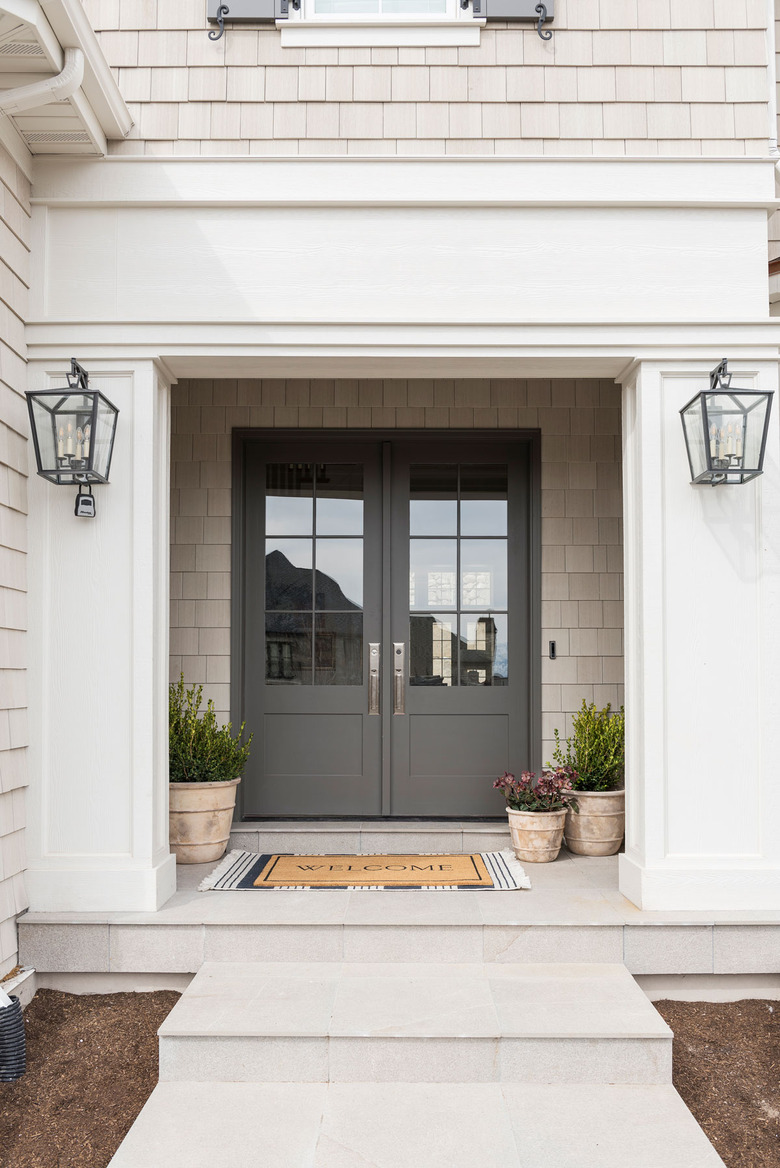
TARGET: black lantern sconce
(73,431)
(725,431)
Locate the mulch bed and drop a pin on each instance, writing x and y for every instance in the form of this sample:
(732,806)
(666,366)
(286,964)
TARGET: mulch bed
(727,1069)
(92,1064)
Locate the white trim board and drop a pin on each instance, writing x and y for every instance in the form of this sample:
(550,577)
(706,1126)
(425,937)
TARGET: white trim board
(547,182)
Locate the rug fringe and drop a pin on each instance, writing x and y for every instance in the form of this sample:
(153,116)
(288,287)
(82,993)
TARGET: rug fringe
(227,862)
(516,868)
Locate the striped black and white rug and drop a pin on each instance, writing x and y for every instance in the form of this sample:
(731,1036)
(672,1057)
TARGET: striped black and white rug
(445,872)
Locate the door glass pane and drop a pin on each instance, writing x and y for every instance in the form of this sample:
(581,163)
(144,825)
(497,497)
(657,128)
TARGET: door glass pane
(338,648)
(432,650)
(483,492)
(287,648)
(484,649)
(433,506)
(339,575)
(483,573)
(289,505)
(288,573)
(433,573)
(340,499)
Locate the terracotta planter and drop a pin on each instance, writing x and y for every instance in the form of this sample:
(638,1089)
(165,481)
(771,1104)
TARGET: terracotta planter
(200,819)
(599,827)
(536,835)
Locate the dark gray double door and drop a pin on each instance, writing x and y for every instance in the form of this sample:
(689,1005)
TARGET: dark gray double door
(386,639)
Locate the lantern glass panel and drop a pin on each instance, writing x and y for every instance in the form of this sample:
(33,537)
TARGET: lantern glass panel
(693,421)
(104,437)
(756,410)
(44,421)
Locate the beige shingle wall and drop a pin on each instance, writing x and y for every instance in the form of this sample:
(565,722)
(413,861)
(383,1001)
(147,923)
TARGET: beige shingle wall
(618,77)
(582,565)
(14,237)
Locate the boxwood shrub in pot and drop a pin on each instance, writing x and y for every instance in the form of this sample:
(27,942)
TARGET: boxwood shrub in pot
(596,752)
(205,761)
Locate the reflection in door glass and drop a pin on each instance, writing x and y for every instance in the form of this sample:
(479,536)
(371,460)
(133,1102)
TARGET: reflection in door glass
(288,573)
(289,498)
(340,499)
(433,573)
(465,573)
(338,648)
(483,573)
(307,577)
(483,649)
(287,648)
(433,500)
(338,581)
(432,650)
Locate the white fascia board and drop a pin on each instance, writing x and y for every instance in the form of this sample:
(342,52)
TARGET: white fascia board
(63,24)
(494,182)
(16,146)
(295,349)
(73,29)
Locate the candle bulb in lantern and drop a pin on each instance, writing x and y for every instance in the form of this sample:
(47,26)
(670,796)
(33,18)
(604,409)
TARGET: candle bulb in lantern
(79,443)
(713,441)
(61,443)
(739,446)
(87,432)
(69,443)
(730,440)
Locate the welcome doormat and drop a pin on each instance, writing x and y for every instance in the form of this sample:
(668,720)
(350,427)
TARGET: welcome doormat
(448,872)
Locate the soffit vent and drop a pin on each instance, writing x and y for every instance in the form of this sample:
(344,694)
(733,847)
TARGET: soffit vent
(21,49)
(75,137)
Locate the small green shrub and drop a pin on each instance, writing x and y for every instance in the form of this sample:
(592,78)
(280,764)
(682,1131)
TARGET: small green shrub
(596,749)
(200,750)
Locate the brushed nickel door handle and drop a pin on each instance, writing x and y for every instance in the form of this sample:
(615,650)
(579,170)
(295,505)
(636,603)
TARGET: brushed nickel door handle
(374,658)
(399,680)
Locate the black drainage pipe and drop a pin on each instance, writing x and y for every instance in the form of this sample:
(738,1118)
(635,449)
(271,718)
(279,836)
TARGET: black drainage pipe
(13,1058)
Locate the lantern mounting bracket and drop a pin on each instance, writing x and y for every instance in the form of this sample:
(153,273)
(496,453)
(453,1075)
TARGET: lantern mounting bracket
(78,378)
(720,378)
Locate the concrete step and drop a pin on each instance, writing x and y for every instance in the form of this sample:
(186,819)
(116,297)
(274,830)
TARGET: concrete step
(370,836)
(402,1125)
(422,1023)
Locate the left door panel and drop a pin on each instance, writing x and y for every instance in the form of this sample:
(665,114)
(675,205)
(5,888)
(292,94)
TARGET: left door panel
(312,578)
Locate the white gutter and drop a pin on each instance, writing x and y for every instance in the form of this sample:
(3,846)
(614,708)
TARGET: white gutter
(59,88)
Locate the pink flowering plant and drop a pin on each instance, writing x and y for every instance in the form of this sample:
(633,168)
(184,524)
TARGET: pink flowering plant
(549,791)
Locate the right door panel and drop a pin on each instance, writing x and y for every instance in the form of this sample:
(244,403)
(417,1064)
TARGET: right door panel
(461,607)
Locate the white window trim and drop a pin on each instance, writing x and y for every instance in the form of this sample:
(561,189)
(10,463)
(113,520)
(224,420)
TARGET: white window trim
(455,27)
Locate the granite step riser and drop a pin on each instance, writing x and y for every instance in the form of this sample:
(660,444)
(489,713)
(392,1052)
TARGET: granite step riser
(255,1059)
(368,843)
(184,948)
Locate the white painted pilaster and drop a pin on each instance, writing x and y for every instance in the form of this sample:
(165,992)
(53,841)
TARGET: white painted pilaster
(98,668)
(702,628)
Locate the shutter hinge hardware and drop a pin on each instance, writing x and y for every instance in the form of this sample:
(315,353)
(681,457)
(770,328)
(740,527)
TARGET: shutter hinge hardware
(546,35)
(222,12)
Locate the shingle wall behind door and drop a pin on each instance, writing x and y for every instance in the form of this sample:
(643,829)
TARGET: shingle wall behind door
(582,537)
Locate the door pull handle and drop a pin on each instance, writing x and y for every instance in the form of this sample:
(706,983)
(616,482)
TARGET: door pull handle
(399,680)
(374,657)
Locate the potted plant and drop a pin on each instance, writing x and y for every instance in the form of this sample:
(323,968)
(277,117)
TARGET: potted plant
(596,752)
(537,808)
(206,762)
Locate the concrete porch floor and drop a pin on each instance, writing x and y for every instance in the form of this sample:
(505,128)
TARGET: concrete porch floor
(574,912)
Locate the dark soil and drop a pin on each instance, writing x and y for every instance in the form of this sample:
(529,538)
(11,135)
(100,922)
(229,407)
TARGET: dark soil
(92,1064)
(727,1069)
